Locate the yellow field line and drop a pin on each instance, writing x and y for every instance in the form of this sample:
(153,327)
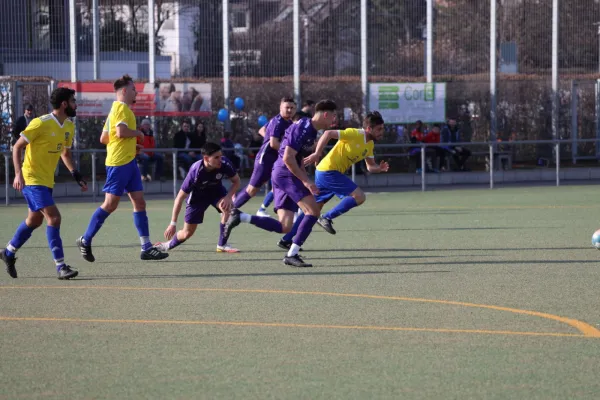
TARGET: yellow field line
(584,328)
(284,325)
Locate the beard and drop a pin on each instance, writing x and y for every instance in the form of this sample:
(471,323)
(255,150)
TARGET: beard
(70,112)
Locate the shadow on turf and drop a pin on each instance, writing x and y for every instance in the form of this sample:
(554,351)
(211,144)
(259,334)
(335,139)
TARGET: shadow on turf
(162,276)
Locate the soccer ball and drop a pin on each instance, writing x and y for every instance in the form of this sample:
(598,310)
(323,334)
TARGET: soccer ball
(596,239)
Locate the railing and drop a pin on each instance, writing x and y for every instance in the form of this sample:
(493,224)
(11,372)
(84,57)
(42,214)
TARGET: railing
(492,146)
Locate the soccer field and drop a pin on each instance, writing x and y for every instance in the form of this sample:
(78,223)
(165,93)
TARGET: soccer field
(444,294)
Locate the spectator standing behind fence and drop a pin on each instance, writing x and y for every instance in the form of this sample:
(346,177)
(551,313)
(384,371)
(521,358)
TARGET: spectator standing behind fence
(22,122)
(451,134)
(185,139)
(147,157)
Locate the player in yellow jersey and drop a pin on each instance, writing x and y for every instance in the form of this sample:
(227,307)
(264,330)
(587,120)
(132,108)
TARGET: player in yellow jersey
(45,140)
(122,173)
(353,145)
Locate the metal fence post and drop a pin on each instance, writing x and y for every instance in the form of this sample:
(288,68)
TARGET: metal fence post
(353,172)
(491,165)
(6,179)
(557,151)
(94,176)
(423,167)
(175,174)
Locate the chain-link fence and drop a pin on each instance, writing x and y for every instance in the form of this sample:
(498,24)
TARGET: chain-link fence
(112,37)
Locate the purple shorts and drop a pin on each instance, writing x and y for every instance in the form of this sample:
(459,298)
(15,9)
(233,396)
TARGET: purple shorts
(288,190)
(194,212)
(261,174)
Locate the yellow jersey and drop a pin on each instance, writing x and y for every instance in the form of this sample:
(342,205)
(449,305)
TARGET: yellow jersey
(119,151)
(351,148)
(47,138)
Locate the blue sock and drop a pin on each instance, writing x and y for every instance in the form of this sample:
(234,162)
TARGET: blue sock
(22,234)
(56,246)
(342,207)
(267,201)
(98,218)
(140,220)
(289,236)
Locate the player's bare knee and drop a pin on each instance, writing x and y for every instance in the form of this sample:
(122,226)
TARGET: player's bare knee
(139,205)
(360,198)
(34,221)
(251,190)
(286,227)
(53,220)
(109,206)
(186,234)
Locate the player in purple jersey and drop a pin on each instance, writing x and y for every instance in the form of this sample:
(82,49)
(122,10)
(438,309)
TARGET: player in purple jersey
(203,187)
(291,185)
(266,156)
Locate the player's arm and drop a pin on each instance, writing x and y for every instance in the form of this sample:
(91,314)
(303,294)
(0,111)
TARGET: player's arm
(172,228)
(226,202)
(124,132)
(262,131)
(375,168)
(289,159)
(18,149)
(104,138)
(274,143)
(323,140)
(67,159)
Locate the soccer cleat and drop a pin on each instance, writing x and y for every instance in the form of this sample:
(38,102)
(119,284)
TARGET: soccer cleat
(86,250)
(326,224)
(10,263)
(233,221)
(284,244)
(262,213)
(296,261)
(66,272)
(227,249)
(162,246)
(153,253)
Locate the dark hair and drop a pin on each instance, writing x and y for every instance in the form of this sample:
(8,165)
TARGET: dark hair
(186,121)
(59,95)
(309,103)
(325,105)
(28,107)
(287,100)
(122,82)
(210,148)
(373,119)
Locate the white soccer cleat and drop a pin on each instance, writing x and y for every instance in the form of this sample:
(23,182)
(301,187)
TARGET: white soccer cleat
(261,213)
(227,249)
(162,246)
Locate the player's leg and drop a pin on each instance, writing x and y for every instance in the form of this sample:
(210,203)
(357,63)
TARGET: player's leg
(23,233)
(343,187)
(180,237)
(309,206)
(116,180)
(222,245)
(140,220)
(53,220)
(260,174)
(262,211)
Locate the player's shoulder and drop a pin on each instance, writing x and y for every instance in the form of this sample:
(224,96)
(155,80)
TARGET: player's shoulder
(44,118)
(69,123)
(226,163)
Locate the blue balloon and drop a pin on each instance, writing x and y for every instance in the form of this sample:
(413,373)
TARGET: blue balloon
(223,115)
(262,121)
(238,103)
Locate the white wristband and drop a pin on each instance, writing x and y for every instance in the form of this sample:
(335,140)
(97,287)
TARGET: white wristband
(173,223)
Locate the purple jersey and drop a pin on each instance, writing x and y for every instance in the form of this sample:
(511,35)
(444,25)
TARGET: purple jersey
(276,128)
(301,137)
(199,179)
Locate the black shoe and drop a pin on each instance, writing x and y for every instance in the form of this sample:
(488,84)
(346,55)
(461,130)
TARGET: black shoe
(284,244)
(153,254)
(326,224)
(66,272)
(86,250)
(10,263)
(296,261)
(233,221)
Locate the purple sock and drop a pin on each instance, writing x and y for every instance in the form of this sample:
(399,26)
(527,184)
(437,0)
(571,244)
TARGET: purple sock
(222,238)
(266,223)
(241,198)
(304,229)
(175,242)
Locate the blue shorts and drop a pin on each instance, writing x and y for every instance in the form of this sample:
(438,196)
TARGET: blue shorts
(333,183)
(38,197)
(124,178)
